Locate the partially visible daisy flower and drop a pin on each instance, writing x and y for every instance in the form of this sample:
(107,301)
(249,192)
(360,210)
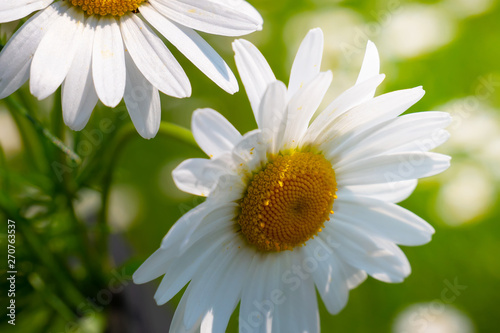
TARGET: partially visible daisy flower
(297,203)
(103,49)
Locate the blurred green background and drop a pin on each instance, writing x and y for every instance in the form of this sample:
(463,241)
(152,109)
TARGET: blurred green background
(450,47)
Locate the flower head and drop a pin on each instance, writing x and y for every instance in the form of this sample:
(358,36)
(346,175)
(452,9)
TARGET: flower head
(297,203)
(104,50)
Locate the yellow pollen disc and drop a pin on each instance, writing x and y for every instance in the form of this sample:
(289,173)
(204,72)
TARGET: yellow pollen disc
(288,201)
(107,7)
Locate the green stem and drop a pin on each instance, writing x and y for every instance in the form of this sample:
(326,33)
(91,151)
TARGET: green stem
(39,249)
(69,187)
(13,104)
(51,298)
(30,137)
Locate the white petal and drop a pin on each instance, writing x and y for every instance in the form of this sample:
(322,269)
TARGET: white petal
(420,131)
(142,101)
(300,313)
(307,62)
(251,151)
(329,278)
(178,236)
(194,47)
(391,192)
(370,113)
(259,300)
(228,18)
(174,246)
(347,100)
(302,106)
(254,71)
(11,10)
(108,62)
(383,219)
(78,93)
(177,324)
(219,220)
(197,176)
(231,187)
(49,68)
(211,284)
(379,258)
(191,263)
(155,266)
(213,133)
(153,58)
(354,275)
(370,66)
(17,54)
(392,167)
(228,294)
(272,115)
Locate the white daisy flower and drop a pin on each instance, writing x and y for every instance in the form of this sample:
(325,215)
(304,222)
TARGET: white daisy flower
(102,49)
(296,203)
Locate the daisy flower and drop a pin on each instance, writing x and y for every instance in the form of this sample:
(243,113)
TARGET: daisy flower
(296,204)
(108,50)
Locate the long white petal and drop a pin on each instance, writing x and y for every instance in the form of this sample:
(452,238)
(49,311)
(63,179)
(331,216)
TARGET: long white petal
(219,220)
(49,68)
(190,263)
(211,284)
(177,324)
(307,62)
(213,133)
(108,62)
(228,294)
(228,18)
(194,47)
(254,71)
(197,176)
(391,192)
(259,305)
(379,258)
(11,10)
(347,100)
(369,114)
(329,278)
(370,67)
(78,93)
(17,54)
(383,219)
(155,266)
(301,305)
(153,58)
(421,131)
(392,167)
(302,106)
(272,115)
(179,234)
(142,101)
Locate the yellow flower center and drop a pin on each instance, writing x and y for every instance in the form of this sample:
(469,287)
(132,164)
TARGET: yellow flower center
(288,201)
(107,7)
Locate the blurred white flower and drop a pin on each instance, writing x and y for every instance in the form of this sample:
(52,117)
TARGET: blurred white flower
(468,193)
(466,8)
(432,318)
(123,207)
(417,29)
(10,139)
